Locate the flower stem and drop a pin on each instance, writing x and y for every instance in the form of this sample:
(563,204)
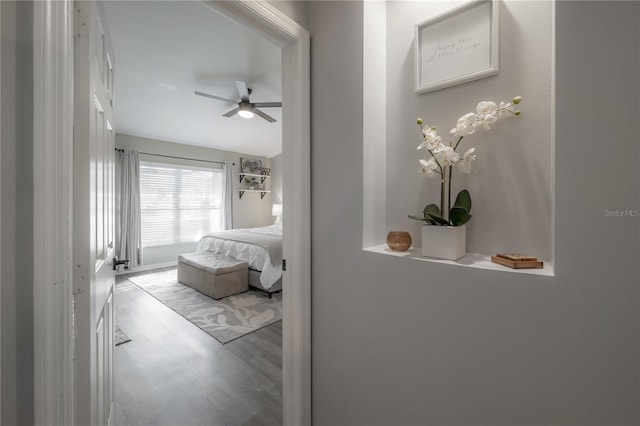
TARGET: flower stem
(442,193)
(436,159)
(458,143)
(449,195)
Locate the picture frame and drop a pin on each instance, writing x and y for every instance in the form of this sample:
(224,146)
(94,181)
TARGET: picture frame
(251,165)
(457,46)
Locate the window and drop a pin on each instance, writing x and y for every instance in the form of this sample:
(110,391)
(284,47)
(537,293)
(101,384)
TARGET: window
(179,204)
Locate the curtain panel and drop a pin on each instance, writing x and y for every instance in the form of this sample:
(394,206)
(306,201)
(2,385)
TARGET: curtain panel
(228,197)
(130,240)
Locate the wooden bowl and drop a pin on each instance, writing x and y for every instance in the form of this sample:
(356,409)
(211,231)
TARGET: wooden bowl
(399,240)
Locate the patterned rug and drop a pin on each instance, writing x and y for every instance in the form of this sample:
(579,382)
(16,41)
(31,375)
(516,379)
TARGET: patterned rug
(226,319)
(121,337)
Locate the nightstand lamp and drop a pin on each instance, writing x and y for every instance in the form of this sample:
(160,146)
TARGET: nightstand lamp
(276,211)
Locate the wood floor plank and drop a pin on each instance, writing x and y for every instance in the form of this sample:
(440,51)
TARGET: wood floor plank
(173,373)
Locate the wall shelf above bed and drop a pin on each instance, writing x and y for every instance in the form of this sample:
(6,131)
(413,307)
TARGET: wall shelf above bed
(262,192)
(262,177)
(252,182)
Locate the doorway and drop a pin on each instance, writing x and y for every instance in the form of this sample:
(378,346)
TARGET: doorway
(53,70)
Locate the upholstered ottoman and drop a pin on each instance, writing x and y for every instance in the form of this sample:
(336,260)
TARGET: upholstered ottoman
(215,275)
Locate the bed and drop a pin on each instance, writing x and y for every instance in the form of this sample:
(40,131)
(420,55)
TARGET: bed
(260,247)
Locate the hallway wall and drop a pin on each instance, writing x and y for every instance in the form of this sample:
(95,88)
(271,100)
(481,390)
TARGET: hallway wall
(397,341)
(17,214)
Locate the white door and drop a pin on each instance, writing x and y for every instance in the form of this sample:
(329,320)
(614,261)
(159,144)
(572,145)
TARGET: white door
(94,278)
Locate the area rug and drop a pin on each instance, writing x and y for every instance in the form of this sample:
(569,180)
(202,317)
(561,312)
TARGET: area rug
(120,336)
(226,319)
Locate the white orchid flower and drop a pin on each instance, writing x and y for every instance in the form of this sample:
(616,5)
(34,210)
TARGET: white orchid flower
(436,144)
(487,113)
(486,108)
(486,121)
(431,139)
(429,132)
(505,108)
(437,147)
(428,167)
(447,156)
(431,144)
(465,126)
(467,158)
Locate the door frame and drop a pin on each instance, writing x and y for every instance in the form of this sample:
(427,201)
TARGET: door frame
(53,212)
(267,21)
(0,211)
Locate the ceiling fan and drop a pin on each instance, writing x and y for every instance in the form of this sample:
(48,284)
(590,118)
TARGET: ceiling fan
(245,109)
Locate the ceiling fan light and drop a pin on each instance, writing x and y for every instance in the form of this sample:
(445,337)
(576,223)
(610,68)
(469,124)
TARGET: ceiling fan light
(246,110)
(245,113)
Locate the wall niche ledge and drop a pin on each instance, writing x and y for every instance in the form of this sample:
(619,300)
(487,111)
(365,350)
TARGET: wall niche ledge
(470,260)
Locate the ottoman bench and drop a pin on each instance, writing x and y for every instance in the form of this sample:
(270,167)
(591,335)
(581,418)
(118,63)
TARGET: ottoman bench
(213,274)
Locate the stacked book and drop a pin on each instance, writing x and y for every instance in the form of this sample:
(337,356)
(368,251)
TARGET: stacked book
(517,261)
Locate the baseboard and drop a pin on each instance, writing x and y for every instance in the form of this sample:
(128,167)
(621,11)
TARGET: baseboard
(147,267)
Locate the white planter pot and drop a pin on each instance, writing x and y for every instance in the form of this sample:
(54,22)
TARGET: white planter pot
(444,242)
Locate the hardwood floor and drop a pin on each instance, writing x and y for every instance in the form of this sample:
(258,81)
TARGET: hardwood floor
(173,373)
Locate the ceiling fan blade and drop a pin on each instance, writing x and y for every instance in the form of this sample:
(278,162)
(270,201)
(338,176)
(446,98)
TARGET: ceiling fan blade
(206,95)
(243,91)
(268,104)
(263,115)
(231,113)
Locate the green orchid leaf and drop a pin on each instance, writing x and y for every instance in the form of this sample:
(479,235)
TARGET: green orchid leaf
(463,201)
(426,219)
(439,220)
(433,212)
(432,209)
(459,216)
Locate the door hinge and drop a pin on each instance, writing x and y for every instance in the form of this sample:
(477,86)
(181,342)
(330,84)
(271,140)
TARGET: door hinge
(284,264)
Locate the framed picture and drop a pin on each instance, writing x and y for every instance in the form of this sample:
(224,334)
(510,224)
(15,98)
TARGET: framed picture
(457,46)
(250,165)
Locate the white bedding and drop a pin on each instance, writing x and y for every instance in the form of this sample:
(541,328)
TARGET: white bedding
(250,245)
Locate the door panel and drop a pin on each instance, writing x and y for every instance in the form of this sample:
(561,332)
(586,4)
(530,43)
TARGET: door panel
(94,278)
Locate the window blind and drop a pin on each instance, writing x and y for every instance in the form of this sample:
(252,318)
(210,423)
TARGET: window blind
(179,203)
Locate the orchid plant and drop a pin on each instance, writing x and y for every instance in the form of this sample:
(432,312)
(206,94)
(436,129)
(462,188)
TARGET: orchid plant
(443,158)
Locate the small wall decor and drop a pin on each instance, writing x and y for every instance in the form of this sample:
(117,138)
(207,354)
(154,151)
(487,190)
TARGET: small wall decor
(399,240)
(250,165)
(252,183)
(456,47)
(517,261)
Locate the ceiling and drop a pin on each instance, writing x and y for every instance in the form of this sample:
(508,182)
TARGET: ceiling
(165,50)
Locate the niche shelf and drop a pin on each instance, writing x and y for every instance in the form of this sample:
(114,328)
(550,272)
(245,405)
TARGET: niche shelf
(470,260)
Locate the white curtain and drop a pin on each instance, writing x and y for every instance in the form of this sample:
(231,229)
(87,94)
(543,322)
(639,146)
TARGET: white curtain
(130,242)
(228,197)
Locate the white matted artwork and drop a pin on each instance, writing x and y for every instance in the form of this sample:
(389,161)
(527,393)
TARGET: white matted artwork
(251,165)
(457,46)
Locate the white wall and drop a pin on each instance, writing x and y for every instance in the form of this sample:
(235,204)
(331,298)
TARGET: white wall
(17,214)
(276,178)
(403,342)
(510,183)
(374,128)
(248,212)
